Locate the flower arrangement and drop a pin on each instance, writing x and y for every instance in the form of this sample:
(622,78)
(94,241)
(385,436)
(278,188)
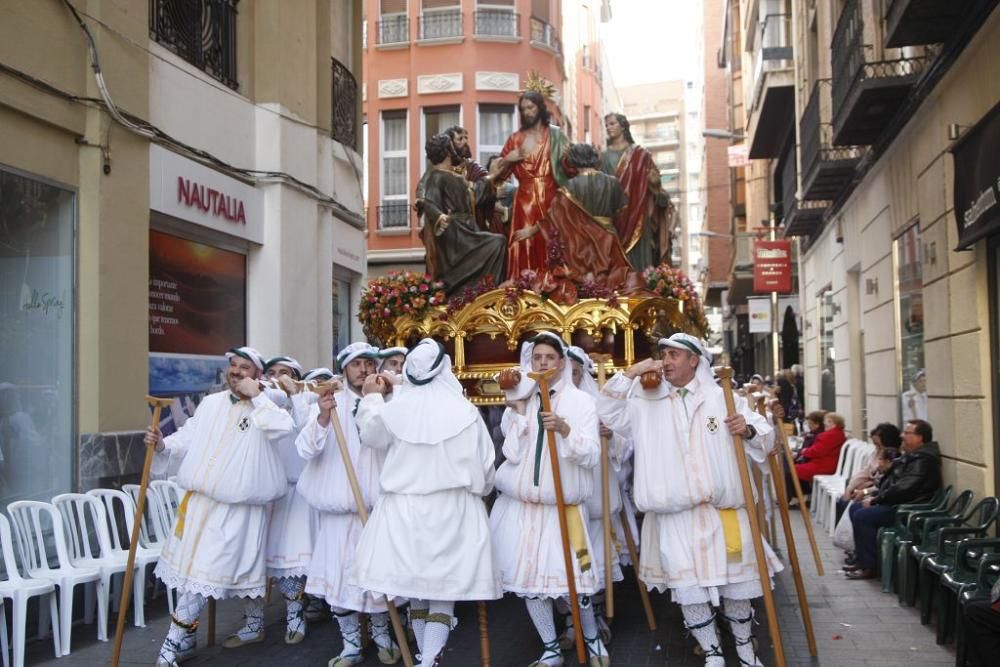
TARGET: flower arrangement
(469,294)
(395,294)
(666,281)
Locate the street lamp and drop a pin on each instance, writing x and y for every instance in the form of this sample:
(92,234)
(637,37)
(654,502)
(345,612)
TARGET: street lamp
(721,134)
(713,235)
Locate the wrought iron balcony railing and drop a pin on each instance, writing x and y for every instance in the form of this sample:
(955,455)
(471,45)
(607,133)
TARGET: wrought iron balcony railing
(202,33)
(394,215)
(816,148)
(440,25)
(545,34)
(497,23)
(344,124)
(392,30)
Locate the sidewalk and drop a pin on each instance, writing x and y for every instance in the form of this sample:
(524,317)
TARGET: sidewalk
(856,625)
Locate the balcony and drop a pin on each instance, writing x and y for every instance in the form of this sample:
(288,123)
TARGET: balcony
(772,114)
(826,169)
(497,23)
(545,36)
(867,93)
(803,218)
(443,26)
(202,33)
(917,22)
(394,215)
(392,31)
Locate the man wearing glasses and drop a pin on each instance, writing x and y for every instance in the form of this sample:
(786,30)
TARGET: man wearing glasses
(914,478)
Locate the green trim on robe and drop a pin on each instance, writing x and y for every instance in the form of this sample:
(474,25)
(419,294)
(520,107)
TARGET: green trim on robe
(558,143)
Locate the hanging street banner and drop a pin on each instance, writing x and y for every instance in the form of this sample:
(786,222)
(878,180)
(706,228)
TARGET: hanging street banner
(772,266)
(759,310)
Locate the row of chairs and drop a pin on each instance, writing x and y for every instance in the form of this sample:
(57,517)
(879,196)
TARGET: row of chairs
(854,455)
(79,538)
(942,555)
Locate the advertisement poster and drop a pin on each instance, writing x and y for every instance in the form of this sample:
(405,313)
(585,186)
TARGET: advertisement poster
(759,309)
(772,266)
(197,311)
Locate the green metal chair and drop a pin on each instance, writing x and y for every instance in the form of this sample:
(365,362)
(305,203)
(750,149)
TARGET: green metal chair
(887,536)
(956,581)
(950,533)
(915,542)
(987,574)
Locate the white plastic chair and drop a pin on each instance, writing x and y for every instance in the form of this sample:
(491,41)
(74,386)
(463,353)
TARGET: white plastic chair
(34,522)
(152,533)
(820,483)
(19,589)
(119,516)
(169,496)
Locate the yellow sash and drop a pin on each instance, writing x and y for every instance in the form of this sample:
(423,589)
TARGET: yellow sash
(731,531)
(577,536)
(181,513)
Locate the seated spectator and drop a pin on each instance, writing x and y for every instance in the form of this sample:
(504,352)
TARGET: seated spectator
(814,426)
(914,478)
(982,634)
(821,457)
(884,435)
(883,460)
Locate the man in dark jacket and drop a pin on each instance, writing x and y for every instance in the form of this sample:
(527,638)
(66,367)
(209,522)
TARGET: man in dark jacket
(914,478)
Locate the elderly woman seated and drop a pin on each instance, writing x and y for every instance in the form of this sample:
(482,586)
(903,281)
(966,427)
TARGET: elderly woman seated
(820,457)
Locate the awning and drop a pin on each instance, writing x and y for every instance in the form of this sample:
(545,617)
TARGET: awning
(977,180)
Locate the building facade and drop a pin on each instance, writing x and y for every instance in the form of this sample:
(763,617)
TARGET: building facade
(893,201)
(203,193)
(431,64)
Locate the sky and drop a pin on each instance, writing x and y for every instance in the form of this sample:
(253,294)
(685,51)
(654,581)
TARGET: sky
(654,40)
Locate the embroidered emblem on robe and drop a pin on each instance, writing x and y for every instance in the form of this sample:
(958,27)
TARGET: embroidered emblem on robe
(712,425)
(244,424)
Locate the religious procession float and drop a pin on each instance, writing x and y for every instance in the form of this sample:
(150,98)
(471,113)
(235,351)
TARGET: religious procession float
(549,235)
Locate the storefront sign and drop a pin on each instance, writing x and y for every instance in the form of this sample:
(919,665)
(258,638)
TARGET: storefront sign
(772,266)
(977,180)
(348,246)
(739,155)
(759,309)
(187,190)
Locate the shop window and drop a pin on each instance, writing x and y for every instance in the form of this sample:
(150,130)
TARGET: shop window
(827,354)
(496,123)
(37,306)
(343,314)
(197,311)
(394,210)
(910,324)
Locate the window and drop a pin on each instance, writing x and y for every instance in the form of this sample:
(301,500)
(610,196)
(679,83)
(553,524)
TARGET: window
(827,354)
(586,123)
(37,432)
(440,19)
(496,123)
(343,314)
(393,25)
(394,211)
(202,33)
(439,119)
(496,18)
(910,324)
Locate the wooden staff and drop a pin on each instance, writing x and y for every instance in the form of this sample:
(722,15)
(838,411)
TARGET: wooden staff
(758,479)
(609,590)
(140,507)
(543,386)
(793,556)
(725,375)
(210,639)
(484,636)
(359,500)
(779,424)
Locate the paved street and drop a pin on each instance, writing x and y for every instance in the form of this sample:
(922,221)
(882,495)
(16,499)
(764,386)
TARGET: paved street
(856,625)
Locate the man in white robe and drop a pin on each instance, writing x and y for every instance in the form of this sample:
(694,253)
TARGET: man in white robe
(695,533)
(293,520)
(525,522)
(428,538)
(324,484)
(231,473)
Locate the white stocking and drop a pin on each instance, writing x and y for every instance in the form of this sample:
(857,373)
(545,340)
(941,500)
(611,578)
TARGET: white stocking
(739,613)
(540,610)
(184,624)
(291,589)
(440,621)
(590,634)
(350,632)
(418,621)
(699,619)
(253,615)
